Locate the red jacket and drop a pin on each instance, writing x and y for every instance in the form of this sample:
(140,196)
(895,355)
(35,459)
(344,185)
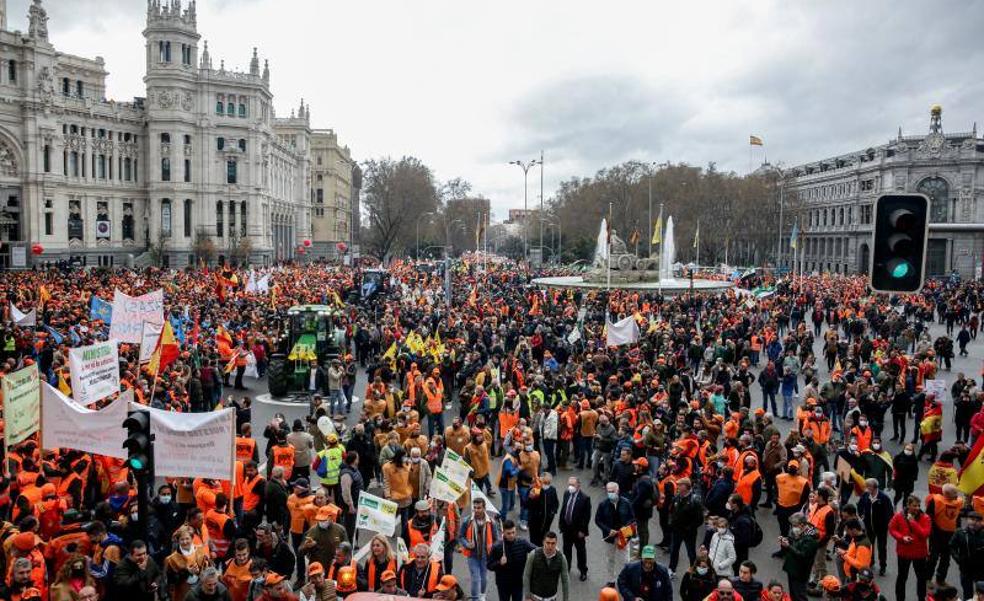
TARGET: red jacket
(900,527)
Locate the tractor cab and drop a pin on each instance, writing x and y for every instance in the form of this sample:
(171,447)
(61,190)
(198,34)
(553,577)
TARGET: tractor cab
(311,336)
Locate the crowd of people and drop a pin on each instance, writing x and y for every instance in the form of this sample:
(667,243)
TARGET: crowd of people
(519,383)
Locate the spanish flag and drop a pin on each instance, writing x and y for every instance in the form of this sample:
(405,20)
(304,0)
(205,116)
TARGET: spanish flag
(223,342)
(43,295)
(971,481)
(166,351)
(755,140)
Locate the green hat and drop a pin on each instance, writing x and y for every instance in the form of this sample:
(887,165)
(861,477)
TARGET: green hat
(648,552)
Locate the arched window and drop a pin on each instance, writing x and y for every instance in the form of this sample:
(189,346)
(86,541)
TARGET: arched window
(166,218)
(219,219)
(938,192)
(242,110)
(187,218)
(242,218)
(231,108)
(219,107)
(232,219)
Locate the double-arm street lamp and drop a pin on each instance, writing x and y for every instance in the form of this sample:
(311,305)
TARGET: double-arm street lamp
(416,255)
(525,166)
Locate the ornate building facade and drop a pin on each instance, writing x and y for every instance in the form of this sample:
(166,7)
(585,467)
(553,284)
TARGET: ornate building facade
(835,197)
(334,193)
(201,166)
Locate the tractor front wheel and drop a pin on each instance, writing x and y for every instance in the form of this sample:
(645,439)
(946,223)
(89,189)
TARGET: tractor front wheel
(277,376)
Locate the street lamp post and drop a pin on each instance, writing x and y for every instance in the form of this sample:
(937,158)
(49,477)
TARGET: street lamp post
(416,255)
(526,170)
(782,181)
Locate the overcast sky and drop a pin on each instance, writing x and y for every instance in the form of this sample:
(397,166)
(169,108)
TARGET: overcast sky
(469,86)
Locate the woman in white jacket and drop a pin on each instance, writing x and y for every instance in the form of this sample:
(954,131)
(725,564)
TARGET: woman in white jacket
(722,550)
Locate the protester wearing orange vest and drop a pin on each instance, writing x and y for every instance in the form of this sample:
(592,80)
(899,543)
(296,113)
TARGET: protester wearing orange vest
(749,485)
(793,491)
(862,433)
(477,536)
(421,576)
(221,527)
(944,514)
(184,564)
(858,555)
(381,559)
(236,575)
(282,455)
(434,400)
(823,518)
(422,527)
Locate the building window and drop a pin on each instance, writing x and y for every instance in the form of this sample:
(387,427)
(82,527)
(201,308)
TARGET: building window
(232,219)
(219,219)
(166,218)
(242,145)
(47,158)
(187,218)
(165,170)
(127,168)
(165,138)
(231,172)
(242,218)
(102,166)
(49,224)
(167,52)
(219,106)
(320,196)
(12,71)
(938,192)
(187,139)
(73,163)
(66,88)
(242,110)
(80,89)
(220,143)
(128,221)
(187,171)
(231,109)
(185,54)
(319,163)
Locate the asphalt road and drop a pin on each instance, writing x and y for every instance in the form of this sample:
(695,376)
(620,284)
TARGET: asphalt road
(768,567)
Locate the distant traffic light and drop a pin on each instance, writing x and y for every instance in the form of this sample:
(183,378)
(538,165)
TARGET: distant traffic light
(139,443)
(898,258)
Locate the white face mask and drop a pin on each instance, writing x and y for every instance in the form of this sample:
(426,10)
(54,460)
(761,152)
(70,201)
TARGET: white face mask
(876,446)
(571,489)
(722,530)
(854,448)
(908,452)
(863,422)
(415,459)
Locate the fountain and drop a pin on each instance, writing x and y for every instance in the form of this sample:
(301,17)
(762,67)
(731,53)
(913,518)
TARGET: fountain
(614,264)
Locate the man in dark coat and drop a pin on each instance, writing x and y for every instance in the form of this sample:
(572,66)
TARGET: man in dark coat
(575,518)
(542,509)
(507,560)
(643,498)
(137,577)
(645,579)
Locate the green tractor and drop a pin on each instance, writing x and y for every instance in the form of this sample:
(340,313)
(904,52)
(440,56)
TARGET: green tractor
(309,334)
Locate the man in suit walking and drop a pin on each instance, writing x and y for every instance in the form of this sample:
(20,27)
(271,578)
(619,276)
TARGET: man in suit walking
(575,518)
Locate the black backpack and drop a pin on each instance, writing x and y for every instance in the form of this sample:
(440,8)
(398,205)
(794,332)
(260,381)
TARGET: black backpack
(757,534)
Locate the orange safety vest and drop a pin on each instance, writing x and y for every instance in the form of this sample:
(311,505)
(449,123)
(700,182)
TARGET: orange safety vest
(215,522)
(945,512)
(371,572)
(66,485)
(470,537)
(250,497)
(284,457)
(864,438)
(507,421)
(245,448)
(745,485)
(818,518)
(433,578)
(790,489)
(417,536)
(435,400)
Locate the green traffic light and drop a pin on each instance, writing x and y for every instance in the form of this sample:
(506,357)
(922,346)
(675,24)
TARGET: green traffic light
(137,463)
(901,270)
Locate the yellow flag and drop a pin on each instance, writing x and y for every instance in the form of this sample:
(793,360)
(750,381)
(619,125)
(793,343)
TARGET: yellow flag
(63,386)
(658,231)
(390,352)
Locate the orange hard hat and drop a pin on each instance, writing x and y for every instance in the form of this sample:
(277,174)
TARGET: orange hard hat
(608,594)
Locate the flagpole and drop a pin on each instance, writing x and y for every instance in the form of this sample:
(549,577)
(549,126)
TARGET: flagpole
(608,275)
(659,265)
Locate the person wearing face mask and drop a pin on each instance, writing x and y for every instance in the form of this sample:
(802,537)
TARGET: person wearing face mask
(875,509)
(71,578)
(905,473)
(799,550)
(911,529)
(877,463)
(617,524)
(575,516)
(419,476)
(605,438)
(793,494)
(478,456)
(508,475)
(849,460)
(823,518)
(543,508)
(321,540)
(686,516)
(699,581)
(862,433)
(529,469)
(721,550)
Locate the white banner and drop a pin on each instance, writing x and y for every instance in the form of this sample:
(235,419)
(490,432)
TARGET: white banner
(23,319)
(21,404)
(937,387)
(437,543)
(456,467)
(444,487)
(148,340)
(376,514)
(193,445)
(623,332)
(130,313)
(476,493)
(95,371)
(68,425)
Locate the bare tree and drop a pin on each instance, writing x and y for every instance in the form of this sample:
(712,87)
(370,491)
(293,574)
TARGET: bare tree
(395,193)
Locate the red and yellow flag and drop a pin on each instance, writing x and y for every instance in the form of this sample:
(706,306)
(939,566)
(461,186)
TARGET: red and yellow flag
(971,480)
(166,350)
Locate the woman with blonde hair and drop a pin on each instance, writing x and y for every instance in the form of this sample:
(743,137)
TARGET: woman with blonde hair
(381,558)
(183,567)
(71,579)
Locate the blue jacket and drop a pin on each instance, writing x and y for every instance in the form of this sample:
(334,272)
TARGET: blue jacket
(630,583)
(608,519)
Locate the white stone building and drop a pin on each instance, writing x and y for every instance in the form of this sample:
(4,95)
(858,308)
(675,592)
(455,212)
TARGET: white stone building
(200,162)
